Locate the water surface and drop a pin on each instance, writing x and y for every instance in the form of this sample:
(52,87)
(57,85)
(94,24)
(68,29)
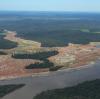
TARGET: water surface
(59,79)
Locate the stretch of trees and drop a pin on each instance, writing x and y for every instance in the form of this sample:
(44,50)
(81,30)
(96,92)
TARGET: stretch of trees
(53,29)
(6,44)
(2,53)
(86,90)
(46,64)
(5,89)
(39,56)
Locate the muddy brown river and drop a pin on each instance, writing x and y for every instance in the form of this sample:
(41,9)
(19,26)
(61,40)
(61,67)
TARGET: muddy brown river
(59,79)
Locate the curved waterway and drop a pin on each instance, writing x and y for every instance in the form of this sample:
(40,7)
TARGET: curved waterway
(59,79)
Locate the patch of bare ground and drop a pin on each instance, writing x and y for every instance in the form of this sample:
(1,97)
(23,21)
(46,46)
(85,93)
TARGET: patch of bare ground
(76,55)
(27,46)
(10,67)
(11,36)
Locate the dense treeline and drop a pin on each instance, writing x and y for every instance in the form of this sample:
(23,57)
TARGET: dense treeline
(39,56)
(46,64)
(2,53)
(5,89)
(53,29)
(87,90)
(6,44)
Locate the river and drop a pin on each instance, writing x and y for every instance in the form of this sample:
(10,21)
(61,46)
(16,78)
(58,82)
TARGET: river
(53,80)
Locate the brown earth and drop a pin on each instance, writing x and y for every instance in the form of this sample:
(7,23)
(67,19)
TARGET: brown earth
(74,55)
(10,67)
(11,36)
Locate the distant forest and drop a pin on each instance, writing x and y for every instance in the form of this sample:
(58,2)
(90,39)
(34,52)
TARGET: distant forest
(52,28)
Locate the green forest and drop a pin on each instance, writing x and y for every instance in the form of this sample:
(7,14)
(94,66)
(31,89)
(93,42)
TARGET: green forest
(5,89)
(53,29)
(6,44)
(86,90)
(39,56)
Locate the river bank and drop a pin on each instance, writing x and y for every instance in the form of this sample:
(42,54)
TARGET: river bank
(74,56)
(59,79)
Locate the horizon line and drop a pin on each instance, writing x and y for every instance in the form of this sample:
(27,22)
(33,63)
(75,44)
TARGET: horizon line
(49,11)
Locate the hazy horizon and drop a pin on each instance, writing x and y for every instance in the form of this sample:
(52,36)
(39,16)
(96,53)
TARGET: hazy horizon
(49,11)
(50,5)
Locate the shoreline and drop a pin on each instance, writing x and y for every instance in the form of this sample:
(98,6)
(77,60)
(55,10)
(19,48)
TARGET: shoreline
(56,80)
(12,37)
(42,74)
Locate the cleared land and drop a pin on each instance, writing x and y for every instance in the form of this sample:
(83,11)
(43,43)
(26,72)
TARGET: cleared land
(10,67)
(76,55)
(11,36)
(29,57)
(56,80)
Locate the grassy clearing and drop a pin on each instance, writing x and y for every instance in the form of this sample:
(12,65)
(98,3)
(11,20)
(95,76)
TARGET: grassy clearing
(85,30)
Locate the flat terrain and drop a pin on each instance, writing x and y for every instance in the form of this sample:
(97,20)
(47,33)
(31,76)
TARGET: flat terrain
(11,36)
(6,89)
(6,44)
(55,80)
(76,55)
(53,29)
(29,58)
(10,67)
(86,90)
(35,44)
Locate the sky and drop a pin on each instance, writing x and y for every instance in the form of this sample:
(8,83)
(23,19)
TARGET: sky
(51,5)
